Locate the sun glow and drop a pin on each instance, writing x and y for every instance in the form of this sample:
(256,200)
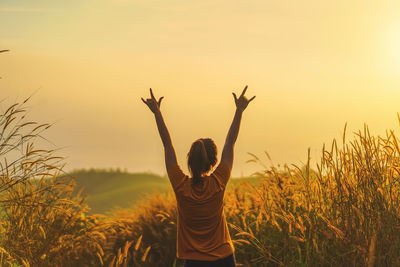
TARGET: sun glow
(392,45)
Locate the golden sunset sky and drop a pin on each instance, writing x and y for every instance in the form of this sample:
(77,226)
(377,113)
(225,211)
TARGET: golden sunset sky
(313,65)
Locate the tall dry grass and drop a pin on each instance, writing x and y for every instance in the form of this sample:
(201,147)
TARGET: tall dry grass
(42,222)
(152,223)
(345,213)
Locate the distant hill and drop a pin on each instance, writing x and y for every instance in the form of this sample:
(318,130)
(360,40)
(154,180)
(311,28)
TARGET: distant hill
(108,189)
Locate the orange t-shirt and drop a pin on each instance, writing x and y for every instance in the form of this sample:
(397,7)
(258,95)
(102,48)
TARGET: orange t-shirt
(202,230)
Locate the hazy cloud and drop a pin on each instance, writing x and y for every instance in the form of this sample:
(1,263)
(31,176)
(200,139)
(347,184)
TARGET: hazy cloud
(25,10)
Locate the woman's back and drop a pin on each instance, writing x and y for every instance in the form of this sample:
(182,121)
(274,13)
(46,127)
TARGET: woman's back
(202,229)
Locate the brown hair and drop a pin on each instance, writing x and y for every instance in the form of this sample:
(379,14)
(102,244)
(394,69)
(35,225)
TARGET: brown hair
(201,158)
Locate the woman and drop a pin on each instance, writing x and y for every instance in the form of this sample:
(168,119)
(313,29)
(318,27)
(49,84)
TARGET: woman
(202,233)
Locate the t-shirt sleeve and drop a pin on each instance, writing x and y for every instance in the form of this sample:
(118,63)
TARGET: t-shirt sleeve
(222,173)
(175,175)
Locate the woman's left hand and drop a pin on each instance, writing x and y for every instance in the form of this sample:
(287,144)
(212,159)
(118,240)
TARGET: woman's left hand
(152,103)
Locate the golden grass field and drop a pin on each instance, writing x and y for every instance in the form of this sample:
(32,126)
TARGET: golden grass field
(345,211)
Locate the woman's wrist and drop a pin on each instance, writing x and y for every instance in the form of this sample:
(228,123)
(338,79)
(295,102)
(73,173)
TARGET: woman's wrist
(239,110)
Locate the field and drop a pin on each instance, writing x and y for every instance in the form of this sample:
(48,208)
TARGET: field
(345,211)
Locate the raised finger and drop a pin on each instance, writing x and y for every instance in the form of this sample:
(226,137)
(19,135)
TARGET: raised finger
(234,96)
(159,101)
(252,98)
(144,100)
(151,93)
(244,91)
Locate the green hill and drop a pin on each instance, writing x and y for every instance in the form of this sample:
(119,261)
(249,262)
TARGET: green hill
(108,189)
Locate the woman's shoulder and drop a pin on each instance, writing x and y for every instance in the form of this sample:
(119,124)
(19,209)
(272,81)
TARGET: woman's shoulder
(222,173)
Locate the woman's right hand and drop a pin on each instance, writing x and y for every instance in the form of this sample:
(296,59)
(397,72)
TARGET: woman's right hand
(242,101)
